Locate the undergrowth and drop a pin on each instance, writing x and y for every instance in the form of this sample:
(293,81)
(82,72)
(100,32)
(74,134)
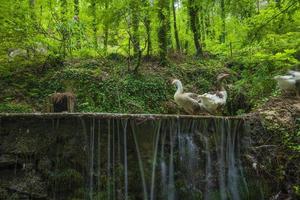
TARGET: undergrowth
(106,85)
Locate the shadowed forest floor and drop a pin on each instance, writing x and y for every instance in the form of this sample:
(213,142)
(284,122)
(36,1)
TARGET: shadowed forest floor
(108,85)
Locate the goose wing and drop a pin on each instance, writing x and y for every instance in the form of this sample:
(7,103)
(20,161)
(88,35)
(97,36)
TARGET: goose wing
(216,98)
(193,96)
(295,74)
(284,77)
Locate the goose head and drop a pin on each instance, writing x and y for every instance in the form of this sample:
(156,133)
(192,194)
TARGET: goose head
(222,76)
(220,79)
(175,81)
(178,85)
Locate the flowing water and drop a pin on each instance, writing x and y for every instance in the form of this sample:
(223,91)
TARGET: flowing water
(149,158)
(166,159)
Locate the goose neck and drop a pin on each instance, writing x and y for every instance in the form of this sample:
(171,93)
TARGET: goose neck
(179,88)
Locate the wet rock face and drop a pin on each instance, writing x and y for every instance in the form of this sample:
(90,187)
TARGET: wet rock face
(36,154)
(7,161)
(67,156)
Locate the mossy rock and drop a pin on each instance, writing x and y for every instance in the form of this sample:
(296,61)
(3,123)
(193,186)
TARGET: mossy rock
(3,194)
(66,179)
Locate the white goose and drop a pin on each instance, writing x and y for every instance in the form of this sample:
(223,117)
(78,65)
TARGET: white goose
(290,82)
(296,74)
(188,101)
(212,101)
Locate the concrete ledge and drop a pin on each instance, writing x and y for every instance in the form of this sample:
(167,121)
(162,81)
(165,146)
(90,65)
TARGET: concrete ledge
(117,116)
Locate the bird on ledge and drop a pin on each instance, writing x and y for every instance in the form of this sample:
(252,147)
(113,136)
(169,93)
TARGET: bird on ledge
(290,82)
(189,102)
(213,101)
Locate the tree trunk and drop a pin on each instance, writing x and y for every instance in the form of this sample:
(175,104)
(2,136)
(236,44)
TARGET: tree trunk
(163,10)
(76,19)
(94,23)
(76,9)
(32,10)
(106,29)
(147,22)
(211,22)
(202,26)
(41,14)
(194,20)
(137,52)
(135,8)
(129,55)
(64,30)
(186,43)
(148,32)
(223,31)
(175,26)
(169,35)
(207,22)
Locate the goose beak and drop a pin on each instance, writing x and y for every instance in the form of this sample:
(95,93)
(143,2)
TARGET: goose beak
(222,76)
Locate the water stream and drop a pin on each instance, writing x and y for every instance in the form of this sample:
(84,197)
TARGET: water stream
(165,159)
(135,158)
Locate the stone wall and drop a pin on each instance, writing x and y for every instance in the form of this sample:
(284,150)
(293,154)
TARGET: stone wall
(87,156)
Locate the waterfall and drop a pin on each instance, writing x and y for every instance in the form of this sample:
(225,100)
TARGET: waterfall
(124,125)
(157,131)
(145,157)
(91,170)
(208,169)
(166,159)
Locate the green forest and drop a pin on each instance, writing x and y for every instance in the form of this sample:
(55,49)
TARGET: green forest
(232,66)
(121,55)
